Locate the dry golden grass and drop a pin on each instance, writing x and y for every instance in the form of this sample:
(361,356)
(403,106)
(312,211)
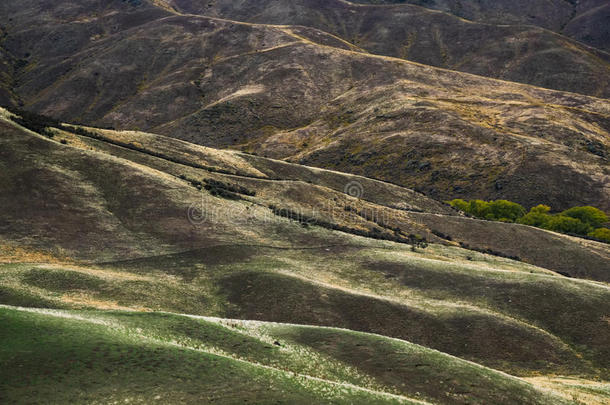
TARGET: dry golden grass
(580,391)
(17,254)
(84,300)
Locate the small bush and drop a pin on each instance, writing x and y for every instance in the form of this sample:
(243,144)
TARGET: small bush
(416,241)
(441,234)
(488,251)
(600,234)
(216,187)
(565,224)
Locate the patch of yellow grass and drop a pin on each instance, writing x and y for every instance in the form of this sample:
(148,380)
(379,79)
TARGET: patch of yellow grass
(82,299)
(99,273)
(226,159)
(15,254)
(72,139)
(574,389)
(164,5)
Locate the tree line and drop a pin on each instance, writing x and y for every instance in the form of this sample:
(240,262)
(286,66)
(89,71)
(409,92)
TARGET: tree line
(581,221)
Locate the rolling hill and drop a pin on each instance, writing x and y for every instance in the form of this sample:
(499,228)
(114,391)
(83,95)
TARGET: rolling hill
(208,359)
(247,201)
(102,227)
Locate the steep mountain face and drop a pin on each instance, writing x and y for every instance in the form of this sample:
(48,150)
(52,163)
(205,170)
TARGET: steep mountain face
(584,20)
(300,94)
(41,33)
(520,53)
(524,54)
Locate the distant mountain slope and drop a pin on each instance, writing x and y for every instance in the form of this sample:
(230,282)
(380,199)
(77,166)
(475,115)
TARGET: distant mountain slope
(550,14)
(277,91)
(591,23)
(519,53)
(585,20)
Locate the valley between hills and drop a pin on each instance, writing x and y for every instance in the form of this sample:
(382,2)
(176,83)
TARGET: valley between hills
(247,202)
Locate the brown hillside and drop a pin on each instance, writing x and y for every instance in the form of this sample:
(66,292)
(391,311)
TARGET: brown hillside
(271,90)
(519,53)
(583,20)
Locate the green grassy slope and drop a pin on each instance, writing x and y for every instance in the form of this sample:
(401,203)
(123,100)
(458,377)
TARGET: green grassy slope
(99,222)
(506,319)
(139,357)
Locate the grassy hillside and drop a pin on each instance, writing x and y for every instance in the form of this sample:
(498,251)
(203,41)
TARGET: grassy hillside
(168,174)
(142,263)
(122,221)
(139,357)
(493,311)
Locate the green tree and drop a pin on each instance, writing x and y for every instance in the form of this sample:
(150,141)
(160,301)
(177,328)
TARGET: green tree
(480,209)
(459,204)
(602,234)
(506,211)
(540,209)
(589,215)
(565,224)
(536,219)
(538,216)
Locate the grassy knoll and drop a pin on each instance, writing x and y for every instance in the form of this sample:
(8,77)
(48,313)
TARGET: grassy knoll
(84,357)
(504,314)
